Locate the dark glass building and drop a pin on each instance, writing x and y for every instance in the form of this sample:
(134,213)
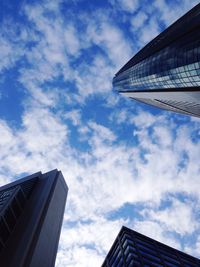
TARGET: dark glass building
(132,249)
(31,214)
(166,72)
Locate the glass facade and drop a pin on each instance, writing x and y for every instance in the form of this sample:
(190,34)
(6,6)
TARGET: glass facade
(132,249)
(171,61)
(172,67)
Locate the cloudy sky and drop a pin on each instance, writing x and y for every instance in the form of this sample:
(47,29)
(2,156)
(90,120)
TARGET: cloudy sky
(125,163)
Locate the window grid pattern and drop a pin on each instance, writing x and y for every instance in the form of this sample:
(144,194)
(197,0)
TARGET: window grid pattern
(132,249)
(5,196)
(178,29)
(12,203)
(175,66)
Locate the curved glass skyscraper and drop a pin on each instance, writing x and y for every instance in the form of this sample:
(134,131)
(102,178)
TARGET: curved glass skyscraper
(166,72)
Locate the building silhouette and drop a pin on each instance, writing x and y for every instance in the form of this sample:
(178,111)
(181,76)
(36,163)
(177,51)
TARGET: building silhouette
(132,249)
(31,214)
(166,72)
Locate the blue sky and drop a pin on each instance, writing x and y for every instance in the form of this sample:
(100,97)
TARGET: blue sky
(125,163)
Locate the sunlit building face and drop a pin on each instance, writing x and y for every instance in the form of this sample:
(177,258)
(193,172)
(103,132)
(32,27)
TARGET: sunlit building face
(166,72)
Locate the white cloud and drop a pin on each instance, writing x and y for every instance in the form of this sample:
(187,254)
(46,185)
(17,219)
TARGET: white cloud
(149,31)
(11,49)
(170,11)
(78,256)
(91,79)
(50,49)
(7,136)
(6,52)
(26,149)
(111,39)
(101,133)
(179,217)
(73,115)
(120,117)
(138,20)
(59,44)
(43,131)
(162,136)
(194,249)
(72,42)
(87,243)
(156,231)
(129,5)
(126,5)
(144,119)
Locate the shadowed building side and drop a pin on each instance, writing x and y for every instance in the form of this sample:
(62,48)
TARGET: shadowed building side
(31,217)
(132,249)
